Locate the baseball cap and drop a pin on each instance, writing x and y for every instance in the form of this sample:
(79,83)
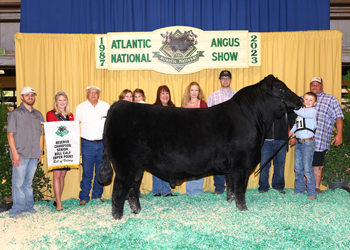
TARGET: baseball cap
(27,90)
(225,73)
(317,79)
(93,87)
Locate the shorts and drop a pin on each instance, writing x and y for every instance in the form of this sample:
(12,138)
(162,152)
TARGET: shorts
(318,158)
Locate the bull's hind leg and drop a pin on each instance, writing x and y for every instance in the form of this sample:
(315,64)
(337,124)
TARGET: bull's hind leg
(134,199)
(120,192)
(229,189)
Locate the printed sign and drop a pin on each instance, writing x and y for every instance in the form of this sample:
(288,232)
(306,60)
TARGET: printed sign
(177,50)
(62,144)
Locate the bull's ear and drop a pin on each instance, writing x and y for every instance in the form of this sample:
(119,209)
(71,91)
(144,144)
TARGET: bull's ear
(267,83)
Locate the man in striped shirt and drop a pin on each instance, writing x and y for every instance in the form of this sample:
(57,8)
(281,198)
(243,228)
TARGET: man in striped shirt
(328,113)
(222,95)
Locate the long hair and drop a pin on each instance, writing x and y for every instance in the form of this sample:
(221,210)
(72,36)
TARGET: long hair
(166,89)
(140,91)
(187,95)
(123,94)
(61,93)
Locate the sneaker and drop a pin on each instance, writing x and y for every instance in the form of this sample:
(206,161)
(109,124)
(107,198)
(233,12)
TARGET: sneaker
(18,216)
(82,203)
(262,191)
(216,193)
(311,198)
(318,191)
(281,191)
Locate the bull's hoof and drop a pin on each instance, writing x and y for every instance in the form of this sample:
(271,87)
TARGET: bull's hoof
(242,208)
(230,198)
(135,208)
(117,217)
(117,213)
(136,211)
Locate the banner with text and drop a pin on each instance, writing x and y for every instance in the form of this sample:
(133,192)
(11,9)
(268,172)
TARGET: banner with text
(62,144)
(177,50)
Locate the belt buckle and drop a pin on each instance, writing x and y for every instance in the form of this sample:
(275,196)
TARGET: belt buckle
(300,141)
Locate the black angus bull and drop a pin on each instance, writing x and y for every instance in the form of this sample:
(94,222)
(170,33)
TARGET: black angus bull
(177,143)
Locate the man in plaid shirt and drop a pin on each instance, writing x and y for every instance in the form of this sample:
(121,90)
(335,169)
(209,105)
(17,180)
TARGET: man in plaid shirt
(222,95)
(328,113)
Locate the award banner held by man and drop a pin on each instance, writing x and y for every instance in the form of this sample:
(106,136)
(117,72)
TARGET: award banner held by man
(62,144)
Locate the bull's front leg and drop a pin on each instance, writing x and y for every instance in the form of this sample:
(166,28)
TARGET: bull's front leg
(229,188)
(240,182)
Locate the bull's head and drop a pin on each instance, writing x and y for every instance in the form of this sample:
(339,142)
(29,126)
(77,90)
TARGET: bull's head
(279,89)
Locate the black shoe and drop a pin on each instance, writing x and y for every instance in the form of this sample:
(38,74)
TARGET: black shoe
(157,195)
(170,194)
(54,204)
(262,191)
(281,191)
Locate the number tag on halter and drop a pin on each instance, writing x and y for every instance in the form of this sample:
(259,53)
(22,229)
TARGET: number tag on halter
(300,122)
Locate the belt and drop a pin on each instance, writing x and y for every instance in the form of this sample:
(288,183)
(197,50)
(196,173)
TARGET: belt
(304,140)
(91,140)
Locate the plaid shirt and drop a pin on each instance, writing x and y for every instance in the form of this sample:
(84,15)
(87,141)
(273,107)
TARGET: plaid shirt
(220,96)
(328,110)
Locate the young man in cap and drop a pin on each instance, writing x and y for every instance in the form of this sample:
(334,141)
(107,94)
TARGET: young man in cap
(223,94)
(328,113)
(92,114)
(26,143)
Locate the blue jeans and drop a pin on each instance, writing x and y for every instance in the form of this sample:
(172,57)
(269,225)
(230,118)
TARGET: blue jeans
(267,150)
(160,187)
(303,156)
(22,191)
(91,157)
(194,187)
(219,183)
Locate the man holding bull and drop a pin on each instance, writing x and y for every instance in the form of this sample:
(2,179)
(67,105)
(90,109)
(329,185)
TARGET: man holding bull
(222,95)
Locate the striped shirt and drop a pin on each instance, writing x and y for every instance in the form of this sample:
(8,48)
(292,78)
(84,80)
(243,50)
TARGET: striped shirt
(220,96)
(328,110)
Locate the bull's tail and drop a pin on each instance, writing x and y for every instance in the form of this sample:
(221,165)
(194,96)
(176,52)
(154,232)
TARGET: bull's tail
(105,172)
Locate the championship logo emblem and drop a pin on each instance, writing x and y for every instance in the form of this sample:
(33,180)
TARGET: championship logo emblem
(61,131)
(178,49)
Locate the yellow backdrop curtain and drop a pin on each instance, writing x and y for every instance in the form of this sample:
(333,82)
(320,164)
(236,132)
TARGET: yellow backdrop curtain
(53,62)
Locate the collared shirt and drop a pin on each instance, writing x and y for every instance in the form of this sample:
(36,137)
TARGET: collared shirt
(328,110)
(92,119)
(310,115)
(220,96)
(26,129)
